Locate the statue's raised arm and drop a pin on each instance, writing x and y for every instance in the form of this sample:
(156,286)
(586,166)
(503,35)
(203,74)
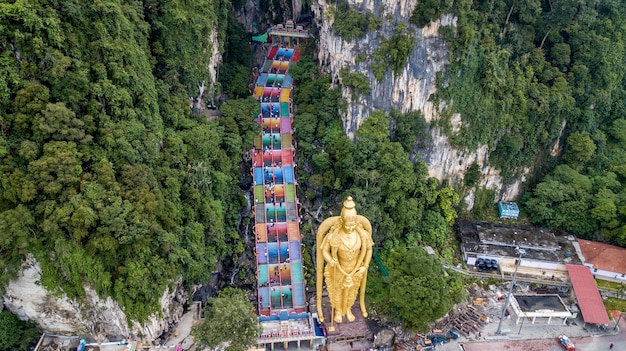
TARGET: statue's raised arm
(344,252)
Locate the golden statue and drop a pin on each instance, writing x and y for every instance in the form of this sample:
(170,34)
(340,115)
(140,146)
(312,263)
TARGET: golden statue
(344,252)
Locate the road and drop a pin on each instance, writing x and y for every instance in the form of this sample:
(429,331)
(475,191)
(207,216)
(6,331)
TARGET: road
(583,343)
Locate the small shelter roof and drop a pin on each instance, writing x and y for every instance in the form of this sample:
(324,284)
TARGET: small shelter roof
(587,294)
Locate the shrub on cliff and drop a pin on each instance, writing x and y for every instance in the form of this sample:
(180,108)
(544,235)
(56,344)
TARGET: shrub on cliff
(16,334)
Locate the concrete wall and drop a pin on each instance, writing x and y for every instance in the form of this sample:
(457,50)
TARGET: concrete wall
(608,275)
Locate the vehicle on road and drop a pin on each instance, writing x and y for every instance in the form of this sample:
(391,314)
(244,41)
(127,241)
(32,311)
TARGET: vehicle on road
(566,343)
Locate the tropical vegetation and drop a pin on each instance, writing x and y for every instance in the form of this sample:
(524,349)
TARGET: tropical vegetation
(16,334)
(106,177)
(230,322)
(541,83)
(407,208)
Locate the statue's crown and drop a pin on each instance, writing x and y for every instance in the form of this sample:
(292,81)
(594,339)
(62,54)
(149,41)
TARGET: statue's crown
(348,203)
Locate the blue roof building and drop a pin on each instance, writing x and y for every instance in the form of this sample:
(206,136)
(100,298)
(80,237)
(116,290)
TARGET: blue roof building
(508,210)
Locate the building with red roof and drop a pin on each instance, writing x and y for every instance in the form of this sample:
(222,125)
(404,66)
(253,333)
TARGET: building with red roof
(606,261)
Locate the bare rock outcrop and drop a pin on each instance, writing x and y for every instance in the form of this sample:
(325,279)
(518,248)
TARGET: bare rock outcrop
(94,317)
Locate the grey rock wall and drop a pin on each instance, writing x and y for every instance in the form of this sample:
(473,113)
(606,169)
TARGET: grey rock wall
(94,318)
(408,91)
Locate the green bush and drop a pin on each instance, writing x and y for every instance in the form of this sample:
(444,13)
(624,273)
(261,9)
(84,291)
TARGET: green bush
(16,334)
(349,23)
(472,175)
(360,57)
(357,82)
(393,53)
(484,207)
(426,11)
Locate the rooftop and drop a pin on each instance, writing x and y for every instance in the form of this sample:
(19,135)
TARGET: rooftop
(587,294)
(535,303)
(502,240)
(604,256)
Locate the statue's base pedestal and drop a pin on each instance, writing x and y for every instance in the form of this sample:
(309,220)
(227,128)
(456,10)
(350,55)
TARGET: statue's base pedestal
(347,335)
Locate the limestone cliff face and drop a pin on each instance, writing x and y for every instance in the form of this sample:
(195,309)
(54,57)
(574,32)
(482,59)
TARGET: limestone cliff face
(408,91)
(198,103)
(95,318)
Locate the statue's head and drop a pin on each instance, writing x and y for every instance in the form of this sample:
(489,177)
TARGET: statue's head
(348,215)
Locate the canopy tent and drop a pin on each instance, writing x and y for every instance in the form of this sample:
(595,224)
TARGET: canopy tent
(261,38)
(285,95)
(274,79)
(284,109)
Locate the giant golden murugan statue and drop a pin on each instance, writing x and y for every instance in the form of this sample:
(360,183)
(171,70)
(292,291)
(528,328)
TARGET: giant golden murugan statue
(344,252)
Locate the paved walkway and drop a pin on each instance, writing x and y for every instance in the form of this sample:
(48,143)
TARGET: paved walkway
(182,333)
(520,277)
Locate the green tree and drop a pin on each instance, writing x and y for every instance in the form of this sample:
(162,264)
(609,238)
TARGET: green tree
(183,38)
(563,200)
(472,175)
(410,129)
(416,287)
(237,60)
(16,334)
(357,82)
(229,319)
(393,52)
(348,23)
(426,11)
(580,149)
(560,54)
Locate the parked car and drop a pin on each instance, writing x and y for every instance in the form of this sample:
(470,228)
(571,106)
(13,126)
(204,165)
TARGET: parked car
(487,264)
(566,343)
(453,334)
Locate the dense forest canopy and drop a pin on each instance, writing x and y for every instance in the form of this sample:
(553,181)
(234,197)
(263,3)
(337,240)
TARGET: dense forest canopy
(527,76)
(534,73)
(105,175)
